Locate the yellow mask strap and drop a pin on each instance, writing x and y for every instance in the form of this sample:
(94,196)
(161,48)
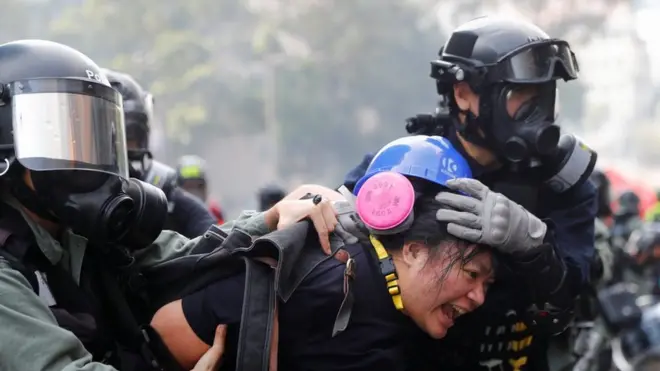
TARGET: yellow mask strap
(389,272)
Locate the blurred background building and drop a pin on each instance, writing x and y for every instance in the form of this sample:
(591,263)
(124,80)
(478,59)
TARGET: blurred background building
(297,91)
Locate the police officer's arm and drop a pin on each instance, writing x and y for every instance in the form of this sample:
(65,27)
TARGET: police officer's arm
(30,338)
(190,216)
(170,245)
(557,270)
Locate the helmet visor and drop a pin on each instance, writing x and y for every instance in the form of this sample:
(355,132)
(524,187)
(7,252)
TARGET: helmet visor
(68,124)
(538,63)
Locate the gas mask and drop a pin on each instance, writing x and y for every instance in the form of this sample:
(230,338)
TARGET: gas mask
(101,207)
(69,133)
(529,140)
(530,132)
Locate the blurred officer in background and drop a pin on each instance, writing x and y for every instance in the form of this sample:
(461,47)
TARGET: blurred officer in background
(191,171)
(626,218)
(186,213)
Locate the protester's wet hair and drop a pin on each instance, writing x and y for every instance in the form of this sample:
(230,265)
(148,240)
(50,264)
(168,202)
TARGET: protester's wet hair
(427,230)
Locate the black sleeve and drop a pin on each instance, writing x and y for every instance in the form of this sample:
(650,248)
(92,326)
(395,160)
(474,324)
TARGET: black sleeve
(556,272)
(553,284)
(190,216)
(220,303)
(358,172)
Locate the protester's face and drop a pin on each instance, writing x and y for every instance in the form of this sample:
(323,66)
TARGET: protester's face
(438,287)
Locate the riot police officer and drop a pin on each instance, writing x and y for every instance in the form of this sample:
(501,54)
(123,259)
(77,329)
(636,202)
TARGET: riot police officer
(70,216)
(498,78)
(643,248)
(191,172)
(187,214)
(626,218)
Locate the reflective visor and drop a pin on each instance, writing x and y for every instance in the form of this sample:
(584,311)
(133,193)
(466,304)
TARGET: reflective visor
(538,64)
(67,124)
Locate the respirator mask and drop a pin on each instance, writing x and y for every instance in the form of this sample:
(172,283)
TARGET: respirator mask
(530,131)
(69,134)
(530,140)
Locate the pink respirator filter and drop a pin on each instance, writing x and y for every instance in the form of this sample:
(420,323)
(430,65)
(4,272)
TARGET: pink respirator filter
(385,201)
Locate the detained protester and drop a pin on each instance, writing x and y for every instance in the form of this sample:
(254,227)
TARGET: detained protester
(191,172)
(408,278)
(70,216)
(186,213)
(497,79)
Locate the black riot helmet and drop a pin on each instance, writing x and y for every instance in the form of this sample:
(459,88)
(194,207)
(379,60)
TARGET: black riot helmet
(138,113)
(497,57)
(61,120)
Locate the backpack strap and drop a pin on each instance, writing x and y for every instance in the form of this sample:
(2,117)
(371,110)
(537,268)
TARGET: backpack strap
(258,317)
(142,340)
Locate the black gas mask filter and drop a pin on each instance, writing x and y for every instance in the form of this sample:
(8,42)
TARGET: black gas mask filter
(104,208)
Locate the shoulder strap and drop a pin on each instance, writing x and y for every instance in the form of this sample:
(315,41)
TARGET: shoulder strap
(142,340)
(258,317)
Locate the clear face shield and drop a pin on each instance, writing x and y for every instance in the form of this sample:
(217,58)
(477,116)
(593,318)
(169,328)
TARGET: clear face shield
(68,124)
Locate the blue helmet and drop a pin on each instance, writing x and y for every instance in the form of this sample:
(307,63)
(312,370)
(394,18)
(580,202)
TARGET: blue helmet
(431,158)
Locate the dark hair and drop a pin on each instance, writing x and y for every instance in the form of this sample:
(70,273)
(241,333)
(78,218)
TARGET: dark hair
(427,230)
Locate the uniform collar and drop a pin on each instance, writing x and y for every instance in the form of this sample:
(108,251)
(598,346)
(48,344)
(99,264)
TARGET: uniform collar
(70,257)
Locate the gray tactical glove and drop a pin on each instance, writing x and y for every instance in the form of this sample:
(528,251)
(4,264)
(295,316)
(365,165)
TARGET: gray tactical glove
(489,218)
